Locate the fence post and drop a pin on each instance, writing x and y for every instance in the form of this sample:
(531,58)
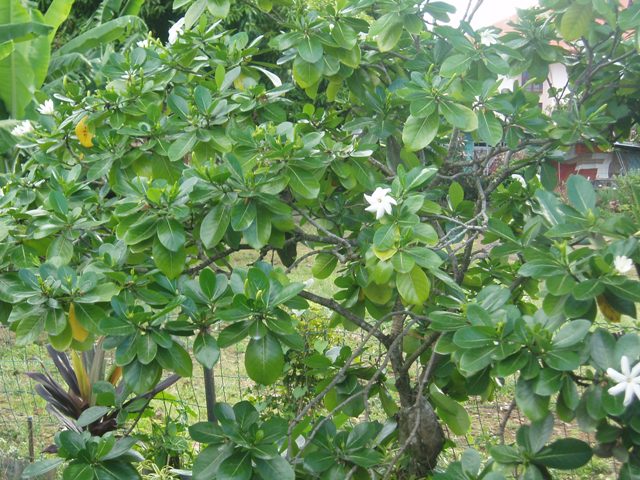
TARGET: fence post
(32,450)
(209,393)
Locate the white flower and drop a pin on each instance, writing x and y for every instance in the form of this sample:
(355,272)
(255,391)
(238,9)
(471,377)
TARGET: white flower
(175,31)
(628,381)
(22,129)
(128,75)
(520,179)
(380,202)
(296,312)
(488,38)
(308,283)
(622,264)
(46,108)
(143,43)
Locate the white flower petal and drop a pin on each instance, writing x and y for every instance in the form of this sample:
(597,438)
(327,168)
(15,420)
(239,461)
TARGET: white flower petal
(622,264)
(628,395)
(636,390)
(372,208)
(616,376)
(635,371)
(617,389)
(624,366)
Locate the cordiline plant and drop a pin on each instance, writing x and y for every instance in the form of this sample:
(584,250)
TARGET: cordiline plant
(175,197)
(89,402)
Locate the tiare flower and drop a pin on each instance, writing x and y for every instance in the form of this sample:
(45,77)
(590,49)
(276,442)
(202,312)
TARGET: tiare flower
(143,43)
(488,37)
(622,264)
(47,108)
(175,31)
(23,128)
(380,202)
(627,379)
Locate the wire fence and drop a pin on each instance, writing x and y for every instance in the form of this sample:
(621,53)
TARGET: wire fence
(492,420)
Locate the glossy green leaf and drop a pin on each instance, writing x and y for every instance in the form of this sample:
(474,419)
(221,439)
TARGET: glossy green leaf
(264,359)
(418,132)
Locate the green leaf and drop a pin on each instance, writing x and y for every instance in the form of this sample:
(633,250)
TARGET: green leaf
(576,21)
(202,98)
(278,296)
(57,13)
(90,415)
(41,467)
(214,225)
(207,464)
(24,65)
(264,359)
(505,454)
(489,127)
(219,8)
(18,32)
(206,350)
(581,193)
(233,333)
(535,407)
(571,333)
(310,49)
(182,146)
(243,214)
(171,234)
(450,411)
(303,183)
(414,286)
(324,265)
(418,132)
(58,202)
(307,74)
(365,457)
(113,469)
(627,289)
(274,468)
(103,34)
(236,467)
(403,262)
(259,232)
(564,454)
(386,236)
(78,471)
(345,36)
(459,116)
(456,195)
(146,348)
(387,30)
(170,263)
(455,65)
(177,359)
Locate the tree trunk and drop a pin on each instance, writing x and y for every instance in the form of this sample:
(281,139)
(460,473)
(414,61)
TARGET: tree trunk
(421,435)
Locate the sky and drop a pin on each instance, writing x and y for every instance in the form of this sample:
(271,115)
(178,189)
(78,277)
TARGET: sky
(490,12)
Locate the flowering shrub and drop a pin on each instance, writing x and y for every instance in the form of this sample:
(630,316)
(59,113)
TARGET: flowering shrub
(121,214)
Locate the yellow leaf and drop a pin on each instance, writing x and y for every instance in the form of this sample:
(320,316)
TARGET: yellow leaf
(81,375)
(85,135)
(78,332)
(607,309)
(116,373)
(384,254)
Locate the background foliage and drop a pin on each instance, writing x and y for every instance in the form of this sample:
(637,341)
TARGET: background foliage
(261,128)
